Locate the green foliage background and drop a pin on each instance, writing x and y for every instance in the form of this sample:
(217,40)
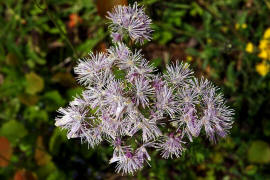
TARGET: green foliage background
(40,46)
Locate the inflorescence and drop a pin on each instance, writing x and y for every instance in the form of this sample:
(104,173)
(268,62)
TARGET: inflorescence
(141,109)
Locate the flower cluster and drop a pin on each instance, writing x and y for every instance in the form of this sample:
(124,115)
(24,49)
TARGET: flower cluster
(264,47)
(128,104)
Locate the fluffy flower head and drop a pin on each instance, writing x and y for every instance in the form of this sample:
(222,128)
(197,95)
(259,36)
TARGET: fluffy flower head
(127,104)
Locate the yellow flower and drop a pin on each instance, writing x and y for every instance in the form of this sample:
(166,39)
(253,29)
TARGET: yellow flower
(237,26)
(249,47)
(244,26)
(267,34)
(189,58)
(264,54)
(264,44)
(264,47)
(262,68)
(224,29)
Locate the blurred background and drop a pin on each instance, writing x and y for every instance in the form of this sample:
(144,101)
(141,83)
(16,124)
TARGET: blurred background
(41,41)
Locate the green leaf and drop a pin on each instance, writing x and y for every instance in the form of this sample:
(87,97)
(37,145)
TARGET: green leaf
(34,55)
(199,157)
(251,170)
(12,59)
(13,130)
(156,62)
(53,100)
(241,18)
(45,171)
(89,44)
(231,76)
(34,83)
(166,36)
(196,10)
(71,93)
(56,175)
(118,73)
(12,108)
(259,152)
(208,53)
(217,158)
(35,114)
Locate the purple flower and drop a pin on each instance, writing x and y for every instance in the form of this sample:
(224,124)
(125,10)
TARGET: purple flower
(187,97)
(127,163)
(133,20)
(120,52)
(119,149)
(110,127)
(89,68)
(142,154)
(117,37)
(150,130)
(217,117)
(74,119)
(94,97)
(142,70)
(143,91)
(95,136)
(157,83)
(171,146)
(114,99)
(178,74)
(131,62)
(201,86)
(166,101)
(188,123)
